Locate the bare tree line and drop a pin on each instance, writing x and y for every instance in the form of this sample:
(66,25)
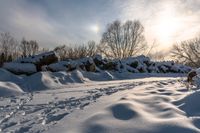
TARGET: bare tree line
(10,48)
(77,51)
(187,52)
(120,40)
(123,40)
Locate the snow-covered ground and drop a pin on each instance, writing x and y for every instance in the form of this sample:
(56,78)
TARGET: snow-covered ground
(74,103)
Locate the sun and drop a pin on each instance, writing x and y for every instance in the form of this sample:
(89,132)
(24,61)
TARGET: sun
(95,28)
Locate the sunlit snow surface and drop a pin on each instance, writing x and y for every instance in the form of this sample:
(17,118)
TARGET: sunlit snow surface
(73,103)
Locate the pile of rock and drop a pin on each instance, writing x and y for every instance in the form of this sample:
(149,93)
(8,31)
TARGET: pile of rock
(32,64)
(50,62)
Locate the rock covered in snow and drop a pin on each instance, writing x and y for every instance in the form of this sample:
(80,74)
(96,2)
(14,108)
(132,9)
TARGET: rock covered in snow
(20,68)
(40,59)
(87,64)
(59,66)
(140,64)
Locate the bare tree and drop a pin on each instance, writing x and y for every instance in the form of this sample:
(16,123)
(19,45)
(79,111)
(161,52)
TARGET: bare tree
(28,48)
(154,53)
(187,52)
(123,40)
(8,47)
(158,55)
(76,51)
(33,47)
(91,48)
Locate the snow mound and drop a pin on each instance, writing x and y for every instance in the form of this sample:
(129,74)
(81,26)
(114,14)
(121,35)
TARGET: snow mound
(10,84)
(53,80)
(9,89)
(127,116)
(117,119)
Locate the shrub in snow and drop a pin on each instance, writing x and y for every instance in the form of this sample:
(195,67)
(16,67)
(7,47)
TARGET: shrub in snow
(20,68)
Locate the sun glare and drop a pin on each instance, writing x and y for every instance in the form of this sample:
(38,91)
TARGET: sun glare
(167,29)
(168,25)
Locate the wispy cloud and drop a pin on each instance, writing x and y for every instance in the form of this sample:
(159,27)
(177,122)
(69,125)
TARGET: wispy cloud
(69,21)
(161,17)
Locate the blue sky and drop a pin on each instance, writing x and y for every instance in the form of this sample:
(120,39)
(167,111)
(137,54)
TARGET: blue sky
(55,22)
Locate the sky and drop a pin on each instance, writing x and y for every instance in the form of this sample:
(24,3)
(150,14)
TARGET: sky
(56,22)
